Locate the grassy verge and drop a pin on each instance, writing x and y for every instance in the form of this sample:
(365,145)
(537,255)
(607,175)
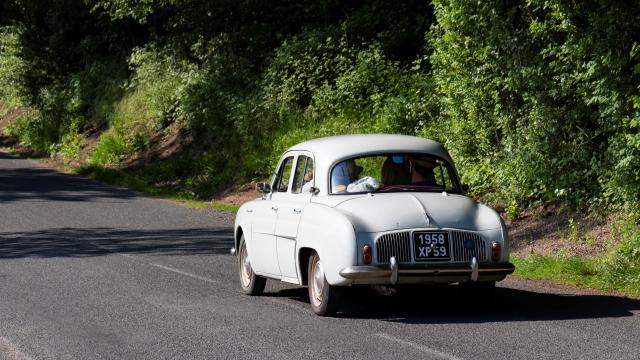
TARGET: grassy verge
(572,271)
(618,270)
(137,183)
(129,179)
(200,204)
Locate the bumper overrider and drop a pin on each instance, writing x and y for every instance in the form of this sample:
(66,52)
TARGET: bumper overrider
(393,274)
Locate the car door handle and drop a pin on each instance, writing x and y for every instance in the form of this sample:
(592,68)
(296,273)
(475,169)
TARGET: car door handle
(249,210)
(274,208)
(297,211)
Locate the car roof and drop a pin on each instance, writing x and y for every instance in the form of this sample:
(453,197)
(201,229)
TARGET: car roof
(327,151)
(334,148)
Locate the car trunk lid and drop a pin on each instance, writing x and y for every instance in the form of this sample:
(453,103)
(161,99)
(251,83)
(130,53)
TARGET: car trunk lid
(393,211)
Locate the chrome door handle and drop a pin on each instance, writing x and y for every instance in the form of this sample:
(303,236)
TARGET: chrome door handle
(249,210)
(297,211)
(274,208)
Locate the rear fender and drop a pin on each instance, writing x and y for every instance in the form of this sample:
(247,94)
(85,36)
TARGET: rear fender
(332,236)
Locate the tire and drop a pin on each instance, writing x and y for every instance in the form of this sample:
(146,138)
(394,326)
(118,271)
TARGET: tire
(323,297)
(250,283)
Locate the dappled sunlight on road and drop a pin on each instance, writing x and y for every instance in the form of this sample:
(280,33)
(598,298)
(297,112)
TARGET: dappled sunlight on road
(26,184)
(72,242)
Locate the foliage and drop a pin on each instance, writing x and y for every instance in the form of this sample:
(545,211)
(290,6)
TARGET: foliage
(536,100)
(71,143)
(536,97)
(24,129)
(621,267)
(618,269)
(111,149)
(11,66)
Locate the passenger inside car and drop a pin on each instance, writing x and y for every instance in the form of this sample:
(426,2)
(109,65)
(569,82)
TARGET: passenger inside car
(422,172)
(395,171)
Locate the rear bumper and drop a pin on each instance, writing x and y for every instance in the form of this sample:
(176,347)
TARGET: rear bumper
(426,273)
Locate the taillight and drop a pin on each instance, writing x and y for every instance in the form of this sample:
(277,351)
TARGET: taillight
(366,254)
(496,251)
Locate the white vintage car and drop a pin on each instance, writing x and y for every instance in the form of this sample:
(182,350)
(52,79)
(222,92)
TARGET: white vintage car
(367,209)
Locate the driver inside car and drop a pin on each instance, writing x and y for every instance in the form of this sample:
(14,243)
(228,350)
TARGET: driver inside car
(307,183)
(344,174)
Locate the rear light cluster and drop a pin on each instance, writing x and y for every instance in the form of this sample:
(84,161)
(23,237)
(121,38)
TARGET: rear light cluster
(366,254)
(496,251)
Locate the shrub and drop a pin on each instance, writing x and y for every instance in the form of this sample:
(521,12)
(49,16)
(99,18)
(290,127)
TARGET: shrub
(622,264)
(535,98)
(11,67)
(72,142)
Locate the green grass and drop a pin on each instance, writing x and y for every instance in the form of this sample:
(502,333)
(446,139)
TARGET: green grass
(573,270)
(137,183)
(199,204)
(616,270)
(595,273)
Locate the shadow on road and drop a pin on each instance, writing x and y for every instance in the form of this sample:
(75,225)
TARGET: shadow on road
(39,184)
(448,305)
(71,242)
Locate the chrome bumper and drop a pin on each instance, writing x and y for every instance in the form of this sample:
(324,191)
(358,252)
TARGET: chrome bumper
(469,272)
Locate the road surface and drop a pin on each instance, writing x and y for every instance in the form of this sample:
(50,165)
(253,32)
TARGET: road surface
(90,271)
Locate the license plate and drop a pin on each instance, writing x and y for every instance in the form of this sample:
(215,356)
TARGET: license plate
(431,246)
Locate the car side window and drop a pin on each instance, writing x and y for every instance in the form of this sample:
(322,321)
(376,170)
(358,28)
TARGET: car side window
(303,178)
(281,184)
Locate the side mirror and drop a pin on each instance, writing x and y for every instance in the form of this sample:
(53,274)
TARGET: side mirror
(263,188)
(314,190)
(465,187)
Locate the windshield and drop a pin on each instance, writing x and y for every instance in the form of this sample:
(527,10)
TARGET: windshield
(393,172)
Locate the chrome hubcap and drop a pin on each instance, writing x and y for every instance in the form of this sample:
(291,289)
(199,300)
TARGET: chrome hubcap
(245,267)
(318,283)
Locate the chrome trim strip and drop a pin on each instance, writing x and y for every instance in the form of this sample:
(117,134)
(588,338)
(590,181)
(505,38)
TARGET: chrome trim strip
(394,270)
(370,272)
(364,272)
(474,269)
(396,244)
(400,245)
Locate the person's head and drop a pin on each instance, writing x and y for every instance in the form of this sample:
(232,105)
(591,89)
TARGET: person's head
(308,176)
(422,170)
(343,174)
(395,171)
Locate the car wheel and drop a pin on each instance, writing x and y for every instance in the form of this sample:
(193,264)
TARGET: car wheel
(250,283)
(323,297)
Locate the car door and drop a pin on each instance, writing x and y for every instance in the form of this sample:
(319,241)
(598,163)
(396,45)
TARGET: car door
(263,253)
(290,206)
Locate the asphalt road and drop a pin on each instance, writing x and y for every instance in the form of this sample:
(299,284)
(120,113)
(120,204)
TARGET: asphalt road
(89,271)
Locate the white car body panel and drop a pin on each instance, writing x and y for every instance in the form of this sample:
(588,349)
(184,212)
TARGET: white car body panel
(332,236)
(261,239)
(289,212)
(392,211)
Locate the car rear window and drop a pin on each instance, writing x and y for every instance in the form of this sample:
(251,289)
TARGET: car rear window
(393,172)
